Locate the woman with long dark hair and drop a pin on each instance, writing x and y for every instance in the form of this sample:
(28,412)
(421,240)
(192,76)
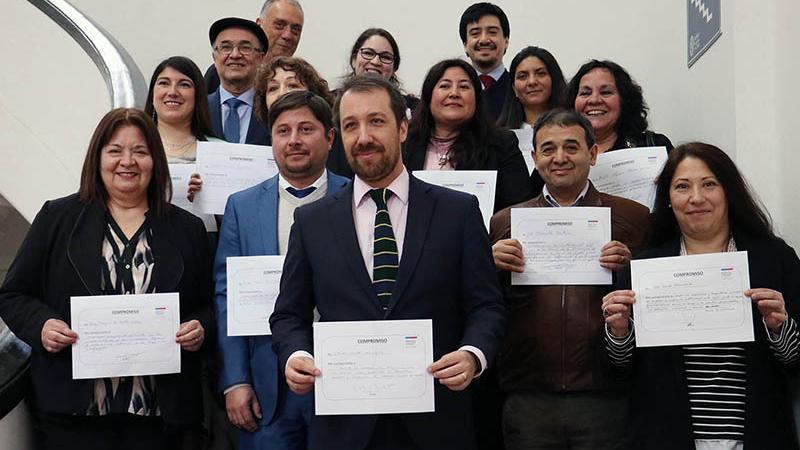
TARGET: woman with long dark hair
(721,396)
(451,130)
(537,86)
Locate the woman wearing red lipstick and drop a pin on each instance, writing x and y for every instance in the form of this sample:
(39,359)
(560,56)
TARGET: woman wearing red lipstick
(715,396)
(451,130)
(117,235)
(607,95)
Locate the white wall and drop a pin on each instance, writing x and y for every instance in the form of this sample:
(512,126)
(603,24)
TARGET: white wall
(737,96)
(51,97)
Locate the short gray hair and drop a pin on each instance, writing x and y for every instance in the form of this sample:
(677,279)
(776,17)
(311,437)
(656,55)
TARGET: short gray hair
(269,3)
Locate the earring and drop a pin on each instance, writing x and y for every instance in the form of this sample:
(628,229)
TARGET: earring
(669,205)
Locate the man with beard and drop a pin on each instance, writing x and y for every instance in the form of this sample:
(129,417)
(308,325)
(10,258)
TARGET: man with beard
(404,249)
(484,32)
(257,222)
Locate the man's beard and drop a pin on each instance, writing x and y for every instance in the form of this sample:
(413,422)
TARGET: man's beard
(380,169)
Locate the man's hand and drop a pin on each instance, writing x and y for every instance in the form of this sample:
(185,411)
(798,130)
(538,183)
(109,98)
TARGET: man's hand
(57,335)
(507,255)
(455,370)
(301,373)
(615,255)
(242,407)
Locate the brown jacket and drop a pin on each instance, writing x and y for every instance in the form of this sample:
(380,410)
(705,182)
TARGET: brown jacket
(554,340)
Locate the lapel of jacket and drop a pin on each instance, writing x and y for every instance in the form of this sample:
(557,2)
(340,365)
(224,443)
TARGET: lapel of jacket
(414,156)
(169,265)
(84,248)
(256,131)
(344,231)
(215,113)
(268,212)
(420,212)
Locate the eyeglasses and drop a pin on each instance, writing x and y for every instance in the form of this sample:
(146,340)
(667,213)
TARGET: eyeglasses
(369,54)
(246,49)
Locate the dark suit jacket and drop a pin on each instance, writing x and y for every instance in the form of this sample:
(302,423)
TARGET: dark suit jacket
(60,258)
(257,132)
(446,274)
(496,95)
(513,180)
(660,395)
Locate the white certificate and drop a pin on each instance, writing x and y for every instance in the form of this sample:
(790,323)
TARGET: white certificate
(228,168)
(629,173)
(697,299)
(180,174)
(562,245)
(253,285)
(125,335)
(480,183)
(373,367)
(525,138)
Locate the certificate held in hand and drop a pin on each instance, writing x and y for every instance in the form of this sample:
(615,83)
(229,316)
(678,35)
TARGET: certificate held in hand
(373,367)
(561,245)
(696,299)
(125,335)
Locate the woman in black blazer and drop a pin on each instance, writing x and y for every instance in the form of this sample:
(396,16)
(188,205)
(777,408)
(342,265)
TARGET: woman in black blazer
(714,395)
(451,130)
(118,235)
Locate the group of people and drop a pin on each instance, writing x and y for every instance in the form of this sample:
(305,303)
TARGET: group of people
(516,367)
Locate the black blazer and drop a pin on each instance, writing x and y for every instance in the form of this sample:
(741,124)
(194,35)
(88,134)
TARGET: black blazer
(661,411)
(513,180)
(60,258)
(257,132)
(496,95)
(446,274)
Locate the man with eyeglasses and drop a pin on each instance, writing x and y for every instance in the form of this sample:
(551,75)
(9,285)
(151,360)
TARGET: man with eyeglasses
(239,47)
(282,21)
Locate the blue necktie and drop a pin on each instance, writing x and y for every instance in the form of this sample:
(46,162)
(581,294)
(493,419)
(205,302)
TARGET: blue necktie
(385,259)
(300,193)
(231,128)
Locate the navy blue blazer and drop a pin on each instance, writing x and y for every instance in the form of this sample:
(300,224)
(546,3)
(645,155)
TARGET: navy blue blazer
(257,132)
(446,274)
(250,228)
(496,95)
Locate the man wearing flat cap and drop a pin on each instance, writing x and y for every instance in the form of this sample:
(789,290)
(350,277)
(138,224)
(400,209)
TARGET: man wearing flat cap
(238,46)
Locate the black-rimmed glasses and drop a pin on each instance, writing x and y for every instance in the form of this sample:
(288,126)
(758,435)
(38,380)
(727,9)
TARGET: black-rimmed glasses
(368,54)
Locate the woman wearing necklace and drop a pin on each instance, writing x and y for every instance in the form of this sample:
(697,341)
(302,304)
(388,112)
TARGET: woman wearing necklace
(180,113)
(117,235)
(451,130)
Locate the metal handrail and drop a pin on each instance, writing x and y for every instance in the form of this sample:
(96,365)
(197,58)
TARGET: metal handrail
(125,82)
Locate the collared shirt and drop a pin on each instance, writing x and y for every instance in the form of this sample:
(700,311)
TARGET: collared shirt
(552,201)
(245,110)
(495,74)
(364,209)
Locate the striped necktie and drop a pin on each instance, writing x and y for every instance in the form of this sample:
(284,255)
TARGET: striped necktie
(385,260)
